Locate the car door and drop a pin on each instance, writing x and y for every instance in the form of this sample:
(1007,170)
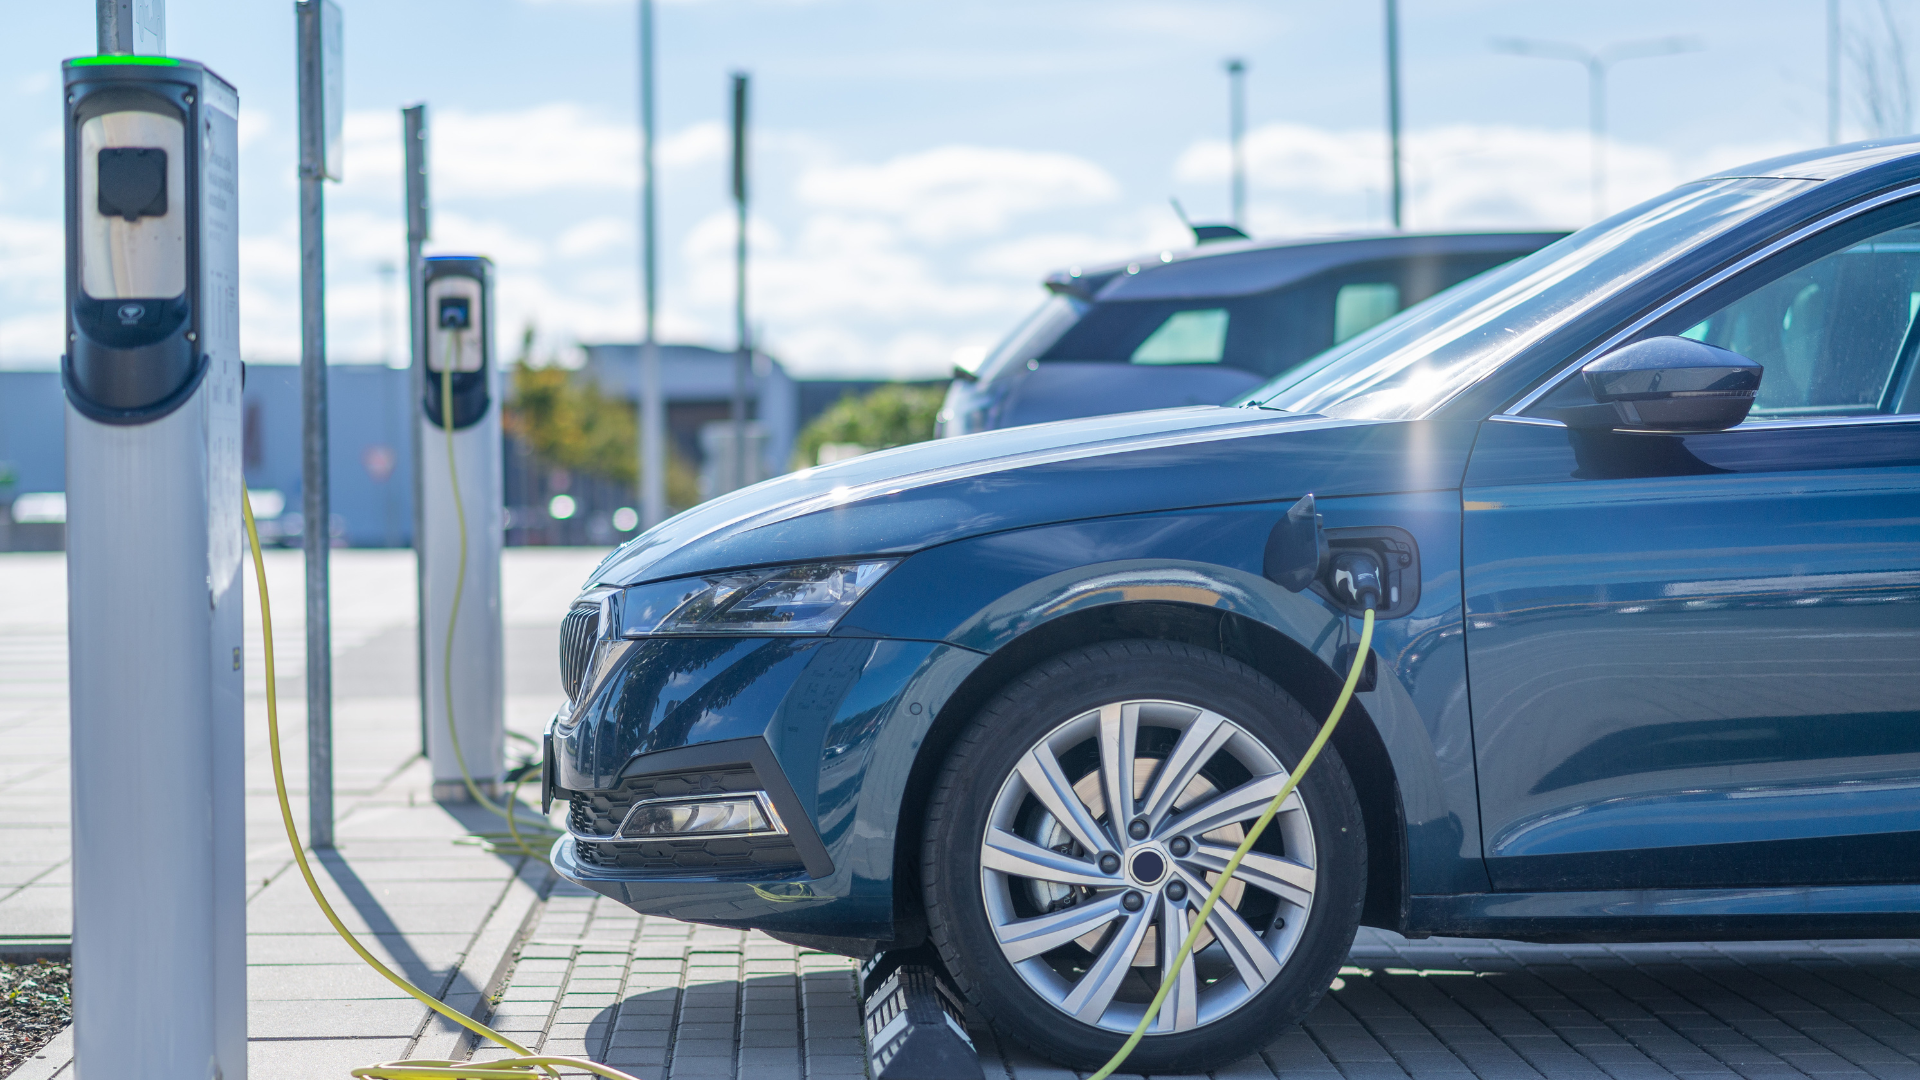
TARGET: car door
(1694,660)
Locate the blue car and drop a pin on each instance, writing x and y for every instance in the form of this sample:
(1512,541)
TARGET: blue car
(1206,325)
(1644,511)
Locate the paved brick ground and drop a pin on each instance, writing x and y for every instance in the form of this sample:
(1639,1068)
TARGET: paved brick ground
(668,1001)
(665,999)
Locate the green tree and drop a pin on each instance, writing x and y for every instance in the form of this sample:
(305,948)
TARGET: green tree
(893,415)
(567,422)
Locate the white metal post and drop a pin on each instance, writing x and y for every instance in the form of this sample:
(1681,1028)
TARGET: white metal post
(465,648)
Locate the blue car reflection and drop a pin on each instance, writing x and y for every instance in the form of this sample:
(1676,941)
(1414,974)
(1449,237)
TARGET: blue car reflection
(1648,507)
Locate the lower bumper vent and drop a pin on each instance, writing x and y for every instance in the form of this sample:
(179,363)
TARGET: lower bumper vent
(594,816)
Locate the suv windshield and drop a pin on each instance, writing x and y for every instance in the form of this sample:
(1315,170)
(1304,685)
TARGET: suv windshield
(1409,365)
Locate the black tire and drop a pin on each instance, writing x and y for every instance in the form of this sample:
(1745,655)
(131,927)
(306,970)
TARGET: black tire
(1013,723)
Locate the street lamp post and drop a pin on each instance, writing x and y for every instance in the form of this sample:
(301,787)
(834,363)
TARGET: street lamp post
(1597,63)
(653,411)
(1398,195)
(1833,72)
(1237,135)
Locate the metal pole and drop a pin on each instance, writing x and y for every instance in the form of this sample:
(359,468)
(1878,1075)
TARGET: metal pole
(742,356)
(1393,107)
(316,507)
(1237,135)
(413,126)
(1833,72)
(653,412)
(131,26)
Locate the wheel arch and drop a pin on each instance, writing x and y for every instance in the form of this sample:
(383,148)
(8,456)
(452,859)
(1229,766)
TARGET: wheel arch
(1230,633)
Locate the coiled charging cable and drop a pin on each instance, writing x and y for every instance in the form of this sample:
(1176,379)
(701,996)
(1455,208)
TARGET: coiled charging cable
(1246,845)
(515,842)
(520,1067)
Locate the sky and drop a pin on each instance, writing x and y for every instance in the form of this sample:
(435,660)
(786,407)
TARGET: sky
(915,168)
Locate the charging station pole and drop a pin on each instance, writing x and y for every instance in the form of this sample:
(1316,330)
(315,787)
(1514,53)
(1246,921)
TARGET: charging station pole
(154,544)
(458,332)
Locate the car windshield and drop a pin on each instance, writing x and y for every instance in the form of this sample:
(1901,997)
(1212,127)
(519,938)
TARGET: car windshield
(1409,365)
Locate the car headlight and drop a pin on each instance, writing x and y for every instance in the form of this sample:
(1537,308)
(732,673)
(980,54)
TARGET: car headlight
(807,599)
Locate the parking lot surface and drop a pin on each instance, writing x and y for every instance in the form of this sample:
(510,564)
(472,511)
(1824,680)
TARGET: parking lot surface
(568,972)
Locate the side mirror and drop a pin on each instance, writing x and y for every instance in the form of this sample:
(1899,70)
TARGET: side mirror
(1668,384)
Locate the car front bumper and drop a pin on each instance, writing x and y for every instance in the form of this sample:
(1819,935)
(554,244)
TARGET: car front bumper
(829,727)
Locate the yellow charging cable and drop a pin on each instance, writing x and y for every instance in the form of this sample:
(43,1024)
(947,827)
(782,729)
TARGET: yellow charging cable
(453,620)
(1246,845)
(520,1067)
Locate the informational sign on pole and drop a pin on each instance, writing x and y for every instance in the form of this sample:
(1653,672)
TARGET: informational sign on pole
(333,96)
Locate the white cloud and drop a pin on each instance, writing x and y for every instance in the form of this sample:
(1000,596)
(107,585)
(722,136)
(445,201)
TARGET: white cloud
(954,191)
(545,148)
(596,236)
(1459,176)
(255,125)
(32,289)
(697,144)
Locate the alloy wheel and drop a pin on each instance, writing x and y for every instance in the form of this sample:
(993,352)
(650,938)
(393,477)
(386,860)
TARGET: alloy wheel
(1101,847)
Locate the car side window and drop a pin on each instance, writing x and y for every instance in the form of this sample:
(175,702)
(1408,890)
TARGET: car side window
(1836,336)
(1362,305)
(1196,336)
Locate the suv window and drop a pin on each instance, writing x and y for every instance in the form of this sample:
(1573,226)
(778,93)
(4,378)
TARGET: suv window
(1197,336)
(1363,305)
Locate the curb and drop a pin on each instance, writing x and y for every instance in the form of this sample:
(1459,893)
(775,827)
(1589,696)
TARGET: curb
(36,947)
(54,1059)
(494,949)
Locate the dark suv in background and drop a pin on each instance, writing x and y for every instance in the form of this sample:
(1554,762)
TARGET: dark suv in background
(1203,326)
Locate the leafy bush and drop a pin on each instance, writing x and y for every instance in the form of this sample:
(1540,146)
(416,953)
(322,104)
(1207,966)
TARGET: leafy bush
(567,422)
(893,415)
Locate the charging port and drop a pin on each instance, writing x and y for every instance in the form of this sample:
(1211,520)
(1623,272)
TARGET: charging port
(1399,561)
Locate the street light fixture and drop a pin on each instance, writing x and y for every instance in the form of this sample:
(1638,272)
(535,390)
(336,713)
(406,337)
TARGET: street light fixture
(1597,63)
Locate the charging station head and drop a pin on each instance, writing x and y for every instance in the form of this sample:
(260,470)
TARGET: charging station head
(150,146)
(459,337)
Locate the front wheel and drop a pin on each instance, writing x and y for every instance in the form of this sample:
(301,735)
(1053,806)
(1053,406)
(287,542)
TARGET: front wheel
(1075,832)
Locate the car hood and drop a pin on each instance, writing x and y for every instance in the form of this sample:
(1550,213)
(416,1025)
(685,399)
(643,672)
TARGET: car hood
(902,500)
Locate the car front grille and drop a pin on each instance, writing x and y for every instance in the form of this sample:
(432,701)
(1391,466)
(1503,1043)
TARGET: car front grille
(577,634)
(598,813)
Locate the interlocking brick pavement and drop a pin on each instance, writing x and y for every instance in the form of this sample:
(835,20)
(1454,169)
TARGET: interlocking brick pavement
(669,1001)
(665,999)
